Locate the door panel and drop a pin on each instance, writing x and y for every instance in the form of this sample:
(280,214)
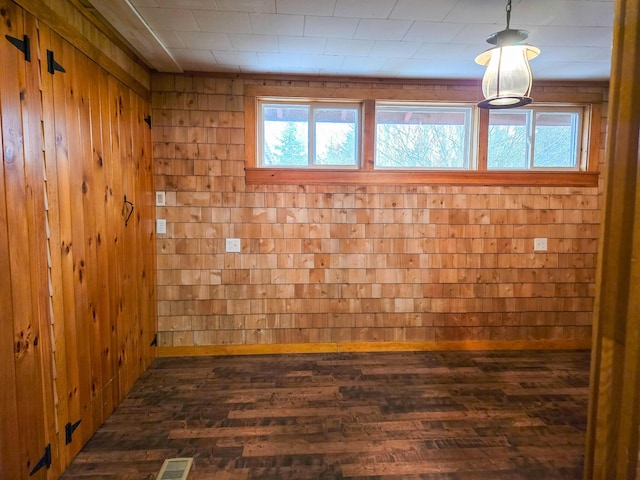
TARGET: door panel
(24,254)
(77,296)
(98,258)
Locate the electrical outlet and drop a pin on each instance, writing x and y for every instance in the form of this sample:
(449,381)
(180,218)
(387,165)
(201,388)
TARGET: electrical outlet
(161,226)
(539,244)
(233,245)
(160,199)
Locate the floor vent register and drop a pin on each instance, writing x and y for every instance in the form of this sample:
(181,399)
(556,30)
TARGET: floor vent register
(175,469)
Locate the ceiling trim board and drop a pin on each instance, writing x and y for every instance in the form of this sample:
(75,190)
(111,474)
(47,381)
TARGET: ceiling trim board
(126,19)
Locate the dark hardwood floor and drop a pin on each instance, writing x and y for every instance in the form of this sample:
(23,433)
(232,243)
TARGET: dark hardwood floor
(429,415)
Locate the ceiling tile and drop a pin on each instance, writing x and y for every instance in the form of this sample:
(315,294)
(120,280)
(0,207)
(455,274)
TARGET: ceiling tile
(168,18)
(364,8)
(474,11)
(576,54)
(400,38)
(267,23)
(391,48)
(205,40)
(237,58)
(144,3)
(330,27)
(414,68)
(539,12)
(544,36)
(434,32)
(340,46)
(296,7)
(223,68)
(250,6)
(362,65)
(254,43)
(188,4)
(437,52)
(476,34)
(422,10)
(586,14)
(571,70)
(453,68)
(326,62)
(274,62)
(375,29)
(226,22)
(307,45)
(396,67)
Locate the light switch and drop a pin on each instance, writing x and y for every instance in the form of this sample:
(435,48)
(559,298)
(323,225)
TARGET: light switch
(160,199)
(233,245)
(539,244)
(161,226)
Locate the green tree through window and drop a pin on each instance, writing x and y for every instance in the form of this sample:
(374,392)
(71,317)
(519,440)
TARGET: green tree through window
(308,135)
(340,152)
(289,147)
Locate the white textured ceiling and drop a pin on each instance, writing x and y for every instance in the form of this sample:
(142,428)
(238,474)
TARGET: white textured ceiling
(381,38)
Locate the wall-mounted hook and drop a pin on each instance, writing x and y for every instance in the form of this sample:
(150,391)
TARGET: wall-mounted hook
(127,204)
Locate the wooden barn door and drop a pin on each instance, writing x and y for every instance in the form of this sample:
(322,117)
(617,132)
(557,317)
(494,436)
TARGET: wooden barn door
(99,210)
(27,423)
(87,213)
(77,292)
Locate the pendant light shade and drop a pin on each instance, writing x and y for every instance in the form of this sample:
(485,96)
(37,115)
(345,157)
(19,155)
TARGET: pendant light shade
(507,80)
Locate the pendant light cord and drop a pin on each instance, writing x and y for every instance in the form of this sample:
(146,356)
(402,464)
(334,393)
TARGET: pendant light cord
(508,13)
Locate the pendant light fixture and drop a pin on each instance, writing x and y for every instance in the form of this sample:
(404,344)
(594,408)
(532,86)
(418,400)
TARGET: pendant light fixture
(507,80)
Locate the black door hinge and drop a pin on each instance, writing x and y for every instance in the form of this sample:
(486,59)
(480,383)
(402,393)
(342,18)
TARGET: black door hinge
(23,45)
(69,428)
(154,342)
(44,462)
(52,65)
(147,120)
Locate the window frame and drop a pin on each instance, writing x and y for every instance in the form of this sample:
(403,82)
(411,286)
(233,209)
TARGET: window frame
(581,149)
(463,92)
(314,104)
(470,145)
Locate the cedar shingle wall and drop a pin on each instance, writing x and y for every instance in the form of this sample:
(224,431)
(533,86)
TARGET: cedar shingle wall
(353,263)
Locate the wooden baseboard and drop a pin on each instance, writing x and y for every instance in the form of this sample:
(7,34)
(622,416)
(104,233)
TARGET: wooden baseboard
(283,348)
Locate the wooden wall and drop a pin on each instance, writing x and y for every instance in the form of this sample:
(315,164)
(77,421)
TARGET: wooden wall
(78,23)
(613,435)
(334,265)
(78,299)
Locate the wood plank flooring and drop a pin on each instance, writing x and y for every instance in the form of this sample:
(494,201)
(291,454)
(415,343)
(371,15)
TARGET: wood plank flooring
(429,415)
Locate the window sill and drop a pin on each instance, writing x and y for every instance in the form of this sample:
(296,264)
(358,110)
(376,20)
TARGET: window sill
(293,176)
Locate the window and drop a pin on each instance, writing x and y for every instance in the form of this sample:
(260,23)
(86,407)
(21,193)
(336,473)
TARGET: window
(356,134)
(315,134)
(421,136)
(534,138)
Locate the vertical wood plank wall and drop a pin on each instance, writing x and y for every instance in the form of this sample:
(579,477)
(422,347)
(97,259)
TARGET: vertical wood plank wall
(77,303)
(613,436)
(331,264)
(24,323)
